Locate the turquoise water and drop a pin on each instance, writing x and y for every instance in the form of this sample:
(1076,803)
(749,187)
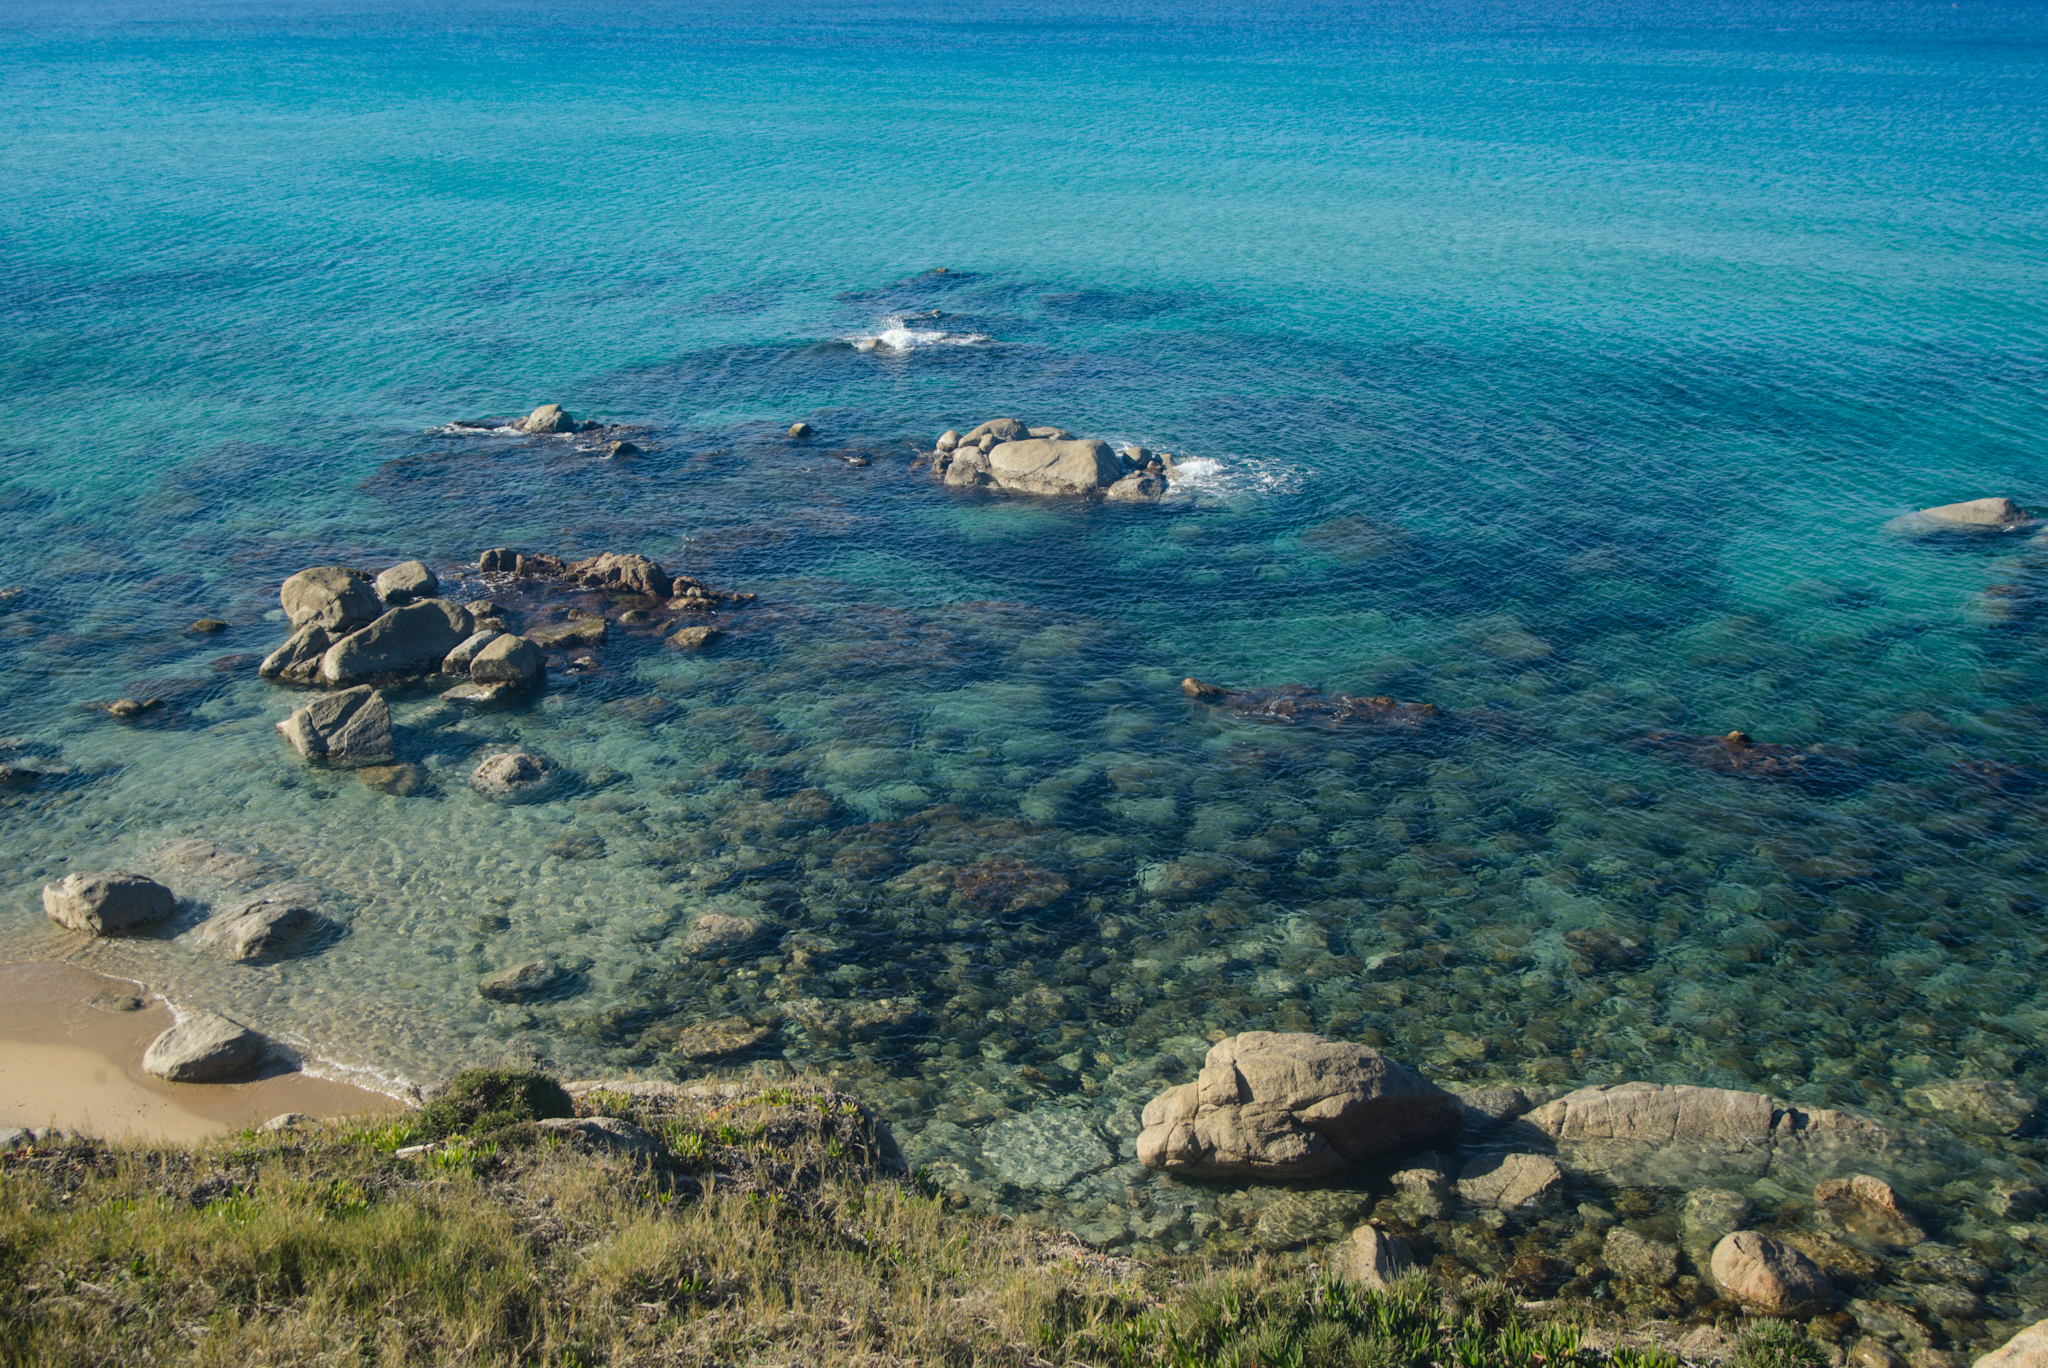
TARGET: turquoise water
(1562,375)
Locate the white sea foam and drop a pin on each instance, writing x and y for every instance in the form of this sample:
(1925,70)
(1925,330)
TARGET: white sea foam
(474,430)
(896,335)
(1234,477)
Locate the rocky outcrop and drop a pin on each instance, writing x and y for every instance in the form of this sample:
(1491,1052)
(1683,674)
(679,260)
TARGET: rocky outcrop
(1302,705)
(203,1048)
(269,925)
(2027,1349)
(514,777)
(1141,486)
(694,638)
(551,419)
(405,582)
(107,904)
(1994,515)
(1272,1105)
(1045,465)
(621,573)
(330,596)
(352,727)
(411,640)
(1770,1276)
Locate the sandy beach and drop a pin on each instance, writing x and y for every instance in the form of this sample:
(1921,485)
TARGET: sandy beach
(71,1046)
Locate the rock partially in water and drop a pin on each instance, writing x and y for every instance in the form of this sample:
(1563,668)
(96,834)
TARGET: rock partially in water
(264,927)
(1270,1105)
(1298,703)
(694,638)
(407,581)
(1045,1148)
(550,418)
(509,661)
(351,728)
(624,573)
(525,982)
(1372,1258)
(458,661)
(203,1048)
(1868,1208)
(297,660)
(411,640)
(330,596)
(1770,1276)
(107,904)
(514,777)
(1639,1259)
(1987,1106)
(578,628)
(1045,465)
(1994,515)
(1141,486)
(1511,1182)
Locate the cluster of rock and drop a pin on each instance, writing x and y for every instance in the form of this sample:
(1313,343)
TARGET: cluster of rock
(1009,454)
(676,606)
(1283,1107)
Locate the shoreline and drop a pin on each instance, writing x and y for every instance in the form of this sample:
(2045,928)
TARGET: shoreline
(71,1047)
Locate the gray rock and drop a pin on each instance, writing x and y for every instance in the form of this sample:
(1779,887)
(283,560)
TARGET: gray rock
(286,1121)
(352,727)
(414,639)
(1272,1105)
(997,430)
(608,1133)
(968,469)
(508,660)
(514,777)
(480,693)
(948,440)
(265,926)
(547,418)
(622,573)
(2027,1349)
(203,1048)
(330,596)
(1638,1259)
(1141,487)
(1974,515)
(1045,1148)
(1770,1276)
(1711,1213)
(406,582)
(1422,1192)
(297,661)
(457,661)
(713,933)
(1057,433)
(1511,1182)
(1372,1258)
(1042,465)
(106,904)
(523,982)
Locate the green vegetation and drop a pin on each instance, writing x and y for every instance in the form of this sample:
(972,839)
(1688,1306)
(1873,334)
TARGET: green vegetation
(483,1100)
(770,1231)
(1775,1344)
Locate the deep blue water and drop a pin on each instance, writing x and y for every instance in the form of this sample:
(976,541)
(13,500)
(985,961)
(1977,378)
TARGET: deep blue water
(1559,372)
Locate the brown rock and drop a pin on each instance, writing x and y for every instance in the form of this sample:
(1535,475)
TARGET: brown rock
(1372,1258)
(1008,885)
(1511,1182)
(399,781)
(207,626)
(1868,1207)
(1770,1276)
(695,638)
(330,596)
(2027,1349)
(1270,1105)
(622,573)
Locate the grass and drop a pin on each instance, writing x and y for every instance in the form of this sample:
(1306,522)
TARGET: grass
(772,1231)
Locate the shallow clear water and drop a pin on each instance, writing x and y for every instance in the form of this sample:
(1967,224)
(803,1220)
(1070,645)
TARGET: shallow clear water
(1562,376)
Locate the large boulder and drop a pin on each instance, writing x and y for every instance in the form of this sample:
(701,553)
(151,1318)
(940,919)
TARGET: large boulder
(1274,1105)
(508,660)
(2027,1349)
(997,430)
(352,727)
(265,926)
(622,573)
(414,639)
(1973,515)
(297,661)
(1770,1276)
(1045,465)
(203,1048)
(106,904)
(547,418)
(1139,487)
(968,469)
(458,661)
(330,596)
(406,582)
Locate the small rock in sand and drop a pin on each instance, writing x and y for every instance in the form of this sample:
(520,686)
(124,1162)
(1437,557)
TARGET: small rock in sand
(203,1048)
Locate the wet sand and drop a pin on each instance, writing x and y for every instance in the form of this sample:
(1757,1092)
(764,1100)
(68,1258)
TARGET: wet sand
(71,1046)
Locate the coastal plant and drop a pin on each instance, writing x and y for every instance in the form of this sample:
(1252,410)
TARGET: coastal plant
(483,1100)
(1771,1343)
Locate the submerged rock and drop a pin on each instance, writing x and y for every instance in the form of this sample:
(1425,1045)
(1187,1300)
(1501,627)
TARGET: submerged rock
(1511,1182)
(1987,1106)
(1008,885)
(843,1019)
(352,727)
(2027,1349)
(524,982)
(514,777)
(203,1048)
(1271,1105)
(1045,1148)
(1868,1208)
(1973,515)
(1770,1276)
(1735,753)
(330,596)
(1298,703)
(719,1039)
(107,904)
(1639,1259)
(714,933)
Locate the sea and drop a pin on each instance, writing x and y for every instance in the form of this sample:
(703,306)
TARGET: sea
(1560,367)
